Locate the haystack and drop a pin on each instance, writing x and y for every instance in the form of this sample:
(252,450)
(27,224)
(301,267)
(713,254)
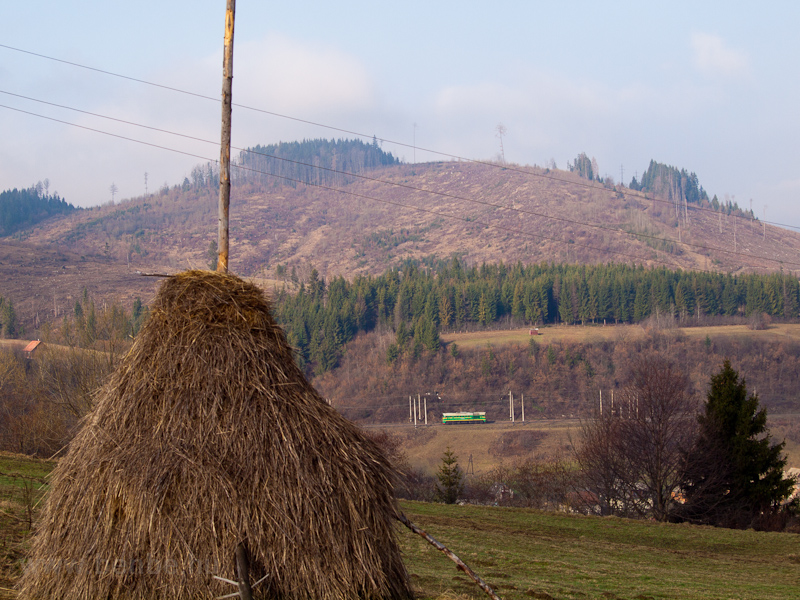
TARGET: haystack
(206,436)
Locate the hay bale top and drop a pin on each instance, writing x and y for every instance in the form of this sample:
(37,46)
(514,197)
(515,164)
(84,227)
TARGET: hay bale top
(208,435)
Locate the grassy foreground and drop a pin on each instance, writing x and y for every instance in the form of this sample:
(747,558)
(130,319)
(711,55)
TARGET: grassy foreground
(21,492)
(530,554)
(524,553)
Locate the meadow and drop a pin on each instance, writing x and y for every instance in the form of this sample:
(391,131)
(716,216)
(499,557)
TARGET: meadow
(592,333)
(522,553)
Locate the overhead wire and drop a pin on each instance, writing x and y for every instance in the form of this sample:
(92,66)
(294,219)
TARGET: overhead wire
(383,181)
(626,192)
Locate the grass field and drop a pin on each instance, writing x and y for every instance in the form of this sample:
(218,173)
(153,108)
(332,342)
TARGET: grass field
(21,492)
(424,446)
(529,554)
(552,438)
(598,333)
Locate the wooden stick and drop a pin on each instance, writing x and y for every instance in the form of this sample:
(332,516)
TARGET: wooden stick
(243,573)
(442,548)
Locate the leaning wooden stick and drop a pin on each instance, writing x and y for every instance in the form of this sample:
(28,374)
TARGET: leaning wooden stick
(441,547)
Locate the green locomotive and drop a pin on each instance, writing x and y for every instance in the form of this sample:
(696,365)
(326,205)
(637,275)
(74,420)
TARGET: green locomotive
(464,417)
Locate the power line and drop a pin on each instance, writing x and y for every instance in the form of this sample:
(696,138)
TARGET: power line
(399,204)
(391,183)
(627,192)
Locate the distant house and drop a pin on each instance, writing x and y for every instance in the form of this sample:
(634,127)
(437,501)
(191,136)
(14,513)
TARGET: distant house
(31,348)
(794,472)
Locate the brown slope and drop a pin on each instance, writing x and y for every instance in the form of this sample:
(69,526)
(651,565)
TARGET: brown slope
(369,226)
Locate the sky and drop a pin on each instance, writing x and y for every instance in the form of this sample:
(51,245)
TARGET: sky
(712,87)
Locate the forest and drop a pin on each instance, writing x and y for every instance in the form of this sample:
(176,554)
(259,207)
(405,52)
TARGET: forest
(418,302)
(316,162)
(23,208)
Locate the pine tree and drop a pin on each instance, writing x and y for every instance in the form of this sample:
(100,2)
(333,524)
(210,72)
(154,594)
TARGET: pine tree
(8,319)
(451,478)
(733,472)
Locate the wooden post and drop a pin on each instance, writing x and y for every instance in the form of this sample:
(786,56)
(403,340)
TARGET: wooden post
(426,410)
(225,145)
(522,403)
(243,573)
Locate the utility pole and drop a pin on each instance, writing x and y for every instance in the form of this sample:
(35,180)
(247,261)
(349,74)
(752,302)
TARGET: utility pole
(225,144)
(501,131)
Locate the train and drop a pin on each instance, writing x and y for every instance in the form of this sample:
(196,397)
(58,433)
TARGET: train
(464,417)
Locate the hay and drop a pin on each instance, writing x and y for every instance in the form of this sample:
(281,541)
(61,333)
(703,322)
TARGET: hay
(208,434)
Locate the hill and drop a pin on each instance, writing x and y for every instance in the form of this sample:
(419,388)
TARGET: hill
(362,224)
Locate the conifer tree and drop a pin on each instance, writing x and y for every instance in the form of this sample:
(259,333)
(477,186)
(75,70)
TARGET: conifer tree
(451,478)
(733,473)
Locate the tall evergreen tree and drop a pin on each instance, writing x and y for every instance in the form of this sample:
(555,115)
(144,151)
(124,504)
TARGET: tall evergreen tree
(733,473)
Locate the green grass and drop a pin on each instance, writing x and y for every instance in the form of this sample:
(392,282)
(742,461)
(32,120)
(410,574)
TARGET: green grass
(21,492)
(527,553)
(530,554)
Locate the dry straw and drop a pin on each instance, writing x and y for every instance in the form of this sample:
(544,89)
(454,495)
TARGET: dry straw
(209,435)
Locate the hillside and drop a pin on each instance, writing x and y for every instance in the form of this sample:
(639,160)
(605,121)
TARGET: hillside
(481,213)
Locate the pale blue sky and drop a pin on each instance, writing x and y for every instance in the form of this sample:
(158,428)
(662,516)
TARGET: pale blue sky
(713,87)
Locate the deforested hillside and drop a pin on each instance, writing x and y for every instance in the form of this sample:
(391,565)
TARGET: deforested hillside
(353,209)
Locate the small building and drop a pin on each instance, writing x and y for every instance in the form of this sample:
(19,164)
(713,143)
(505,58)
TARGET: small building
(793,472)
(31,348)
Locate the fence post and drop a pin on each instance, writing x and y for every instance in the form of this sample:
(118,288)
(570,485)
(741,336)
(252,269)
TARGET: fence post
(243,573)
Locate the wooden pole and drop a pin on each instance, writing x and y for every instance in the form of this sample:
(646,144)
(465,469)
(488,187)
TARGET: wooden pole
(522,403)
(243,573)
(225,145)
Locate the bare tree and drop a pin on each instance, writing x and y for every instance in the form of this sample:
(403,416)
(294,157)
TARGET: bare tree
(631,456)
(599,459)
(659,425)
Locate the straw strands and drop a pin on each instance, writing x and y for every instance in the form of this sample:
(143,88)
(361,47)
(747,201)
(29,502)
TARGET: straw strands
(208,435)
